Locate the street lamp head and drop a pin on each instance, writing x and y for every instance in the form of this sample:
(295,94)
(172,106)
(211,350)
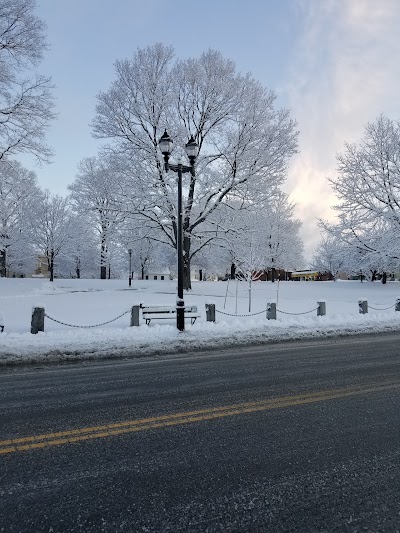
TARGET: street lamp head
(129,251)
(165,143)
(192,149)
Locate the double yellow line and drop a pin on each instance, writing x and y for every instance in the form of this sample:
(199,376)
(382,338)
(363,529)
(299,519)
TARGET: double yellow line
(119,428)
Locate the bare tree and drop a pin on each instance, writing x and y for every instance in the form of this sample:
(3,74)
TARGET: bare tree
(51,227)
(244,143)
(284,244)
(368,189)
(331,256)
(94,193)
(18,193)
(78,257)
(26,105)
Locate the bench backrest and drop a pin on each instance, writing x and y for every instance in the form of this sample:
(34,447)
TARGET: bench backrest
(150,310)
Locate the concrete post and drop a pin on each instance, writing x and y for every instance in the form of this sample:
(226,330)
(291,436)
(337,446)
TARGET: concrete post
(135,315)
(210,312)
(37,322)
(321,311)
(397,308)
(362,306)
(271,311)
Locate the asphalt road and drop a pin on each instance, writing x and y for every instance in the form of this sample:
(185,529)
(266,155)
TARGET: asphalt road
(299,436)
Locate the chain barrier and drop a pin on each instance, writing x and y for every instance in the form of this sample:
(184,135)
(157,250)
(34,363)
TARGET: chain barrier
(264,311)
(305,312)
(382,308)
(93,326)
(233,314)
(216,310)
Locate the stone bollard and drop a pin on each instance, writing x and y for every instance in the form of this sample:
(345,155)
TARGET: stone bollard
(37,322)
(397,307)
(362,306)
(271,311)
(321,310)
(210,312)
(135,315)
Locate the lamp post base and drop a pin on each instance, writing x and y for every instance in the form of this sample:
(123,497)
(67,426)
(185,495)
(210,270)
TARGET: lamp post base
(180,315)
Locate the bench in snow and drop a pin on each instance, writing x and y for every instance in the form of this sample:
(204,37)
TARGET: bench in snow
(161,313)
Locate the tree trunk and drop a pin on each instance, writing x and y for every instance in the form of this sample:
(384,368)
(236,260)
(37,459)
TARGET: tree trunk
(384,278)
(103,266)
(51,265)
(142,271)
(273,274)
(187,281)
(3,263)
(233,271)
(78,268)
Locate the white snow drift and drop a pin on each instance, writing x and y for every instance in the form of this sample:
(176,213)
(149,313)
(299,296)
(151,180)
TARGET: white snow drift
(89,302)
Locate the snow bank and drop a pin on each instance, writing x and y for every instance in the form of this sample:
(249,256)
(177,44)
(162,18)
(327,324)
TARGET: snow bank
(86,302)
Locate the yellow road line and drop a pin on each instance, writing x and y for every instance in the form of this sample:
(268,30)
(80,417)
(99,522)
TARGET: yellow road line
(119,428)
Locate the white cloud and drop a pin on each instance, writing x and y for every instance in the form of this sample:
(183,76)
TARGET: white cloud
(343,74)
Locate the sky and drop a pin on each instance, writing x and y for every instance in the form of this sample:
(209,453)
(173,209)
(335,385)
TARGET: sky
(332,63)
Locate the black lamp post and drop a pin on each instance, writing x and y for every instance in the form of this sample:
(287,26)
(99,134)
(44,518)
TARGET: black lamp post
(130,266)
(165,144)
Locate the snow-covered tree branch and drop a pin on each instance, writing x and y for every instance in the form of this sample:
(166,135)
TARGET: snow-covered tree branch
(368,189)
(26,103)
(244,143)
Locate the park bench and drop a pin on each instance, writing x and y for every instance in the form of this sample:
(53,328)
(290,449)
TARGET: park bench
(161,313)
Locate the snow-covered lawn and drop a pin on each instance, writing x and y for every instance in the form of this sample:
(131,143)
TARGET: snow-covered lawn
(87,302)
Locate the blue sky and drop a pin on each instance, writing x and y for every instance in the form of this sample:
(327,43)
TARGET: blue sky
(333,63)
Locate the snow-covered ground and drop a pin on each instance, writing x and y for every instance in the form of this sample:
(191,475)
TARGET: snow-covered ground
(88,302)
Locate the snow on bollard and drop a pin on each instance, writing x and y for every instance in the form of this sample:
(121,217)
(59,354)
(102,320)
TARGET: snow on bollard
(210,312)
(37,322)
(362,306)
(271,311)
(397,307)
(321,309)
